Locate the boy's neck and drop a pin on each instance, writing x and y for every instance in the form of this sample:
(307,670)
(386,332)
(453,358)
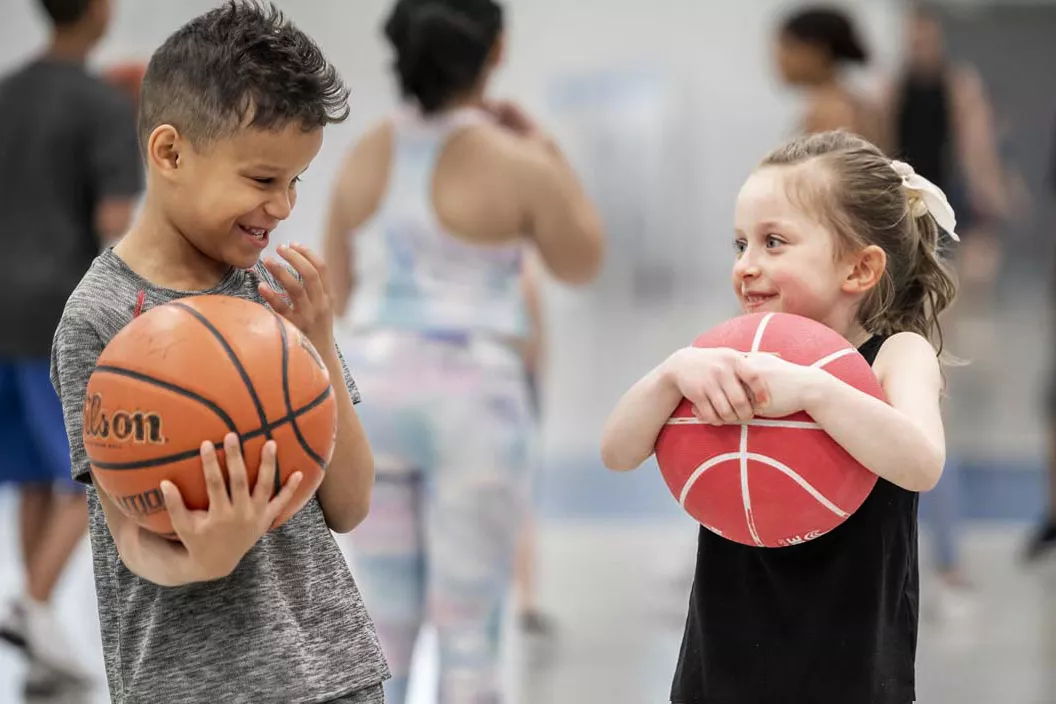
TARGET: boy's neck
(160,253)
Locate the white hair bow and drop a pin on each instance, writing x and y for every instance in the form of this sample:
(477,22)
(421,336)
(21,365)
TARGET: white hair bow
(926,197)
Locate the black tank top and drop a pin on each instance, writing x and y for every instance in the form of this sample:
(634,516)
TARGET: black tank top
(923,129)
(831,621)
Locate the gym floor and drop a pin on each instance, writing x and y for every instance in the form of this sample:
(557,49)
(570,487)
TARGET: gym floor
(620,623)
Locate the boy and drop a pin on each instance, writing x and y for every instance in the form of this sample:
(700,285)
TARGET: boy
(231,114)
(71,140)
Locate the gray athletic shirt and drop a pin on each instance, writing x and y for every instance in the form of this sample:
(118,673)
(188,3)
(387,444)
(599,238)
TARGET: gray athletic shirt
(288,625)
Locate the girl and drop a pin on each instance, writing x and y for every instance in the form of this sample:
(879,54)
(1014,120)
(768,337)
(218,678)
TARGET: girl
(431,218)
(828,228)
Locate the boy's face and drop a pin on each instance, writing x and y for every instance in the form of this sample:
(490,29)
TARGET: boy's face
(227,197)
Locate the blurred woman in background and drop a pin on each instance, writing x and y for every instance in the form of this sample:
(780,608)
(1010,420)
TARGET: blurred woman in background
(814,47)
(429,224)
(939,118)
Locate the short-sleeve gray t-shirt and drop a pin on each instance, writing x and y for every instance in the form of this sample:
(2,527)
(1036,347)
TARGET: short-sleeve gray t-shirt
(288,625)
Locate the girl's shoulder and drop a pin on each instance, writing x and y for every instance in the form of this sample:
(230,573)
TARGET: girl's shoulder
(906,354)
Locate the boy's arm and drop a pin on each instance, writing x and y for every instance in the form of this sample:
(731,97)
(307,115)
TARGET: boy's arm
(201,557)
(349,479)
(75,350)
(151,557)
(344,495)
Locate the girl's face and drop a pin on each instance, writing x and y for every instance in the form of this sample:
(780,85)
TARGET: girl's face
(786,257)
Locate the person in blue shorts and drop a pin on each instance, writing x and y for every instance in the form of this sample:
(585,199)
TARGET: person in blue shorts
(68,139)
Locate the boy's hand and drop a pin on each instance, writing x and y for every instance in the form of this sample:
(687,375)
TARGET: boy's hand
(308,303)
(707,378)
(237,517)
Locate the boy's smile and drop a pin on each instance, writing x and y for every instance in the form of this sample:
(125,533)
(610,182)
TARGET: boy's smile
(227,197)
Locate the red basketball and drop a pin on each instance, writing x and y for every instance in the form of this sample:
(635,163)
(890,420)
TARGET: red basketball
(770,482)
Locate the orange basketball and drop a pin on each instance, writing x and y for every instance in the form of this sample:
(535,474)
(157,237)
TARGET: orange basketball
(769,482)
(196,369)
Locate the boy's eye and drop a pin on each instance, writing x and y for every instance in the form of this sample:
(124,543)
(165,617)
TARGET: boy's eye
(739,245)
(772,241)
(268,181)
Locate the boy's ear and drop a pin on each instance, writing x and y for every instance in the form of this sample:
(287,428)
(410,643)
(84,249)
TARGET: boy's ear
(164,149)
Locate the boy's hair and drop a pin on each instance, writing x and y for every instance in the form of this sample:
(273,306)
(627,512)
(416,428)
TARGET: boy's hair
(861,197)
(240,65)
(65,12)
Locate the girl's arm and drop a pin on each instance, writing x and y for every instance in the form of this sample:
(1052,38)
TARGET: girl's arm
(903,440)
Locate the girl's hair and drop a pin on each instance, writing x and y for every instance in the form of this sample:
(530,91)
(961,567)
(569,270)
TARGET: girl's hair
(859,194)
(830,28)
(441,46)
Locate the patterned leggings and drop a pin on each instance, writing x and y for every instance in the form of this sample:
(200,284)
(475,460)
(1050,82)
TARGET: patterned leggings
(451,427)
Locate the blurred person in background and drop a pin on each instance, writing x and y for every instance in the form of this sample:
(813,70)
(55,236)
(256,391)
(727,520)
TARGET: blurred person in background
(430,221)
(814,47)
(68,147)
(1042,541)
(532,619)
(939,119)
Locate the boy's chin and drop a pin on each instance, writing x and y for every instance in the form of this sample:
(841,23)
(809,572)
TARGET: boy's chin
(242,258)
(247,262)
(235,262)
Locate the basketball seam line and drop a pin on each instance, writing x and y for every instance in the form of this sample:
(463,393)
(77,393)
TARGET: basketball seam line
(234,360)
(745,494)
(277,483)
(211,405)
(742,455)
(746,497)
(820,364)
(180,456)
(308,449)
(756,422)
(769,462)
